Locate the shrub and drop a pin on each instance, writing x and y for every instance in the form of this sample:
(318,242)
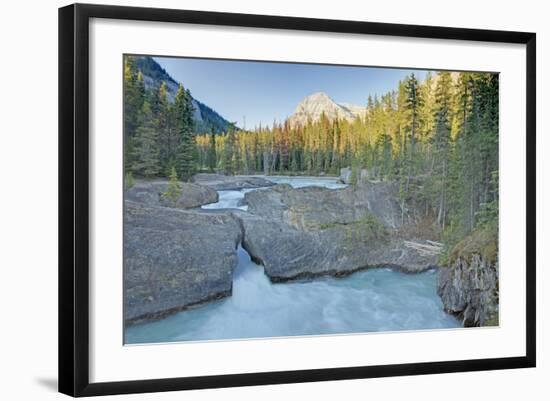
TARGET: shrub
(367,228)
(173,192)
(129,180)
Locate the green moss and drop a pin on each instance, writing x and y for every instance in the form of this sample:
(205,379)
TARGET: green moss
(482,241)
(492,320)
(326,226)
(129,180)
(367,228)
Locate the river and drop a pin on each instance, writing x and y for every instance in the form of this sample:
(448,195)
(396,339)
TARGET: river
(368,301)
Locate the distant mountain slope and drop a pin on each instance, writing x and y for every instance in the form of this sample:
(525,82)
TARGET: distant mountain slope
(206,119)
(314,105)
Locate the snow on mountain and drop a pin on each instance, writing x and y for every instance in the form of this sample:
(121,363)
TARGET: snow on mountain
(314,105)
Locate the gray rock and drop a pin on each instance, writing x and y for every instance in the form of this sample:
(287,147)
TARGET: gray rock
(151,193)
(469,289)
(221,182)
(311,208)
(345,175)
(311,231)
(174,259)
(289,253)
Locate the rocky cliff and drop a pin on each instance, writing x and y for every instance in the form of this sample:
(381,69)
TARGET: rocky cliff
(469,287)
(313,231)
(174,259)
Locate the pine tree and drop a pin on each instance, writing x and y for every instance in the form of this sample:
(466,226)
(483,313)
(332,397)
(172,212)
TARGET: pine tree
(185,159)
(212,153)
(129,180)
(173,191)
(161,114)
(134,96)
(145,149)
(441,140)
(413,103)
(229,153)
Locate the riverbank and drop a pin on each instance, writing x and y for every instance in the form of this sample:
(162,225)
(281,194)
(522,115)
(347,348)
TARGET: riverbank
(295,230)
(368,301)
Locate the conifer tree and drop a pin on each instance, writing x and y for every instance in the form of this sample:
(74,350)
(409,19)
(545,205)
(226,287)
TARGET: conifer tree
(145,149)
(134,96)
(161,114)
(441,141)
(185,158)
(413,102)
(212,153)
(228,154)
(173,191)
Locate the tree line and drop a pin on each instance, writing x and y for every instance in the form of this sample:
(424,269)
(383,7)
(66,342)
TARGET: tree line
(436,139)
(158,134)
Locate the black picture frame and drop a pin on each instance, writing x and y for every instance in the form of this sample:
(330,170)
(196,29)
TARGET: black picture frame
(74,200)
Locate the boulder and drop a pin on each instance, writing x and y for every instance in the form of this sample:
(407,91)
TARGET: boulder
(303,232)
(221,182)
(288,253)
(345,175)
(174,259)
(151,193)
(310,208)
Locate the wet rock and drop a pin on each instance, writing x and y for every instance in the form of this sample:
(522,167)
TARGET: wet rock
(174,259)
(221,182)
(304,232)
(288,253)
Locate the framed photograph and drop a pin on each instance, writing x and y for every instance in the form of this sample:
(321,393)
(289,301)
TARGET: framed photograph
(250,199)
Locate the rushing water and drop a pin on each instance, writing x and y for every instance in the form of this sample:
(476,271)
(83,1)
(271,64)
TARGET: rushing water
(368,301)
(229,199)
(300,182)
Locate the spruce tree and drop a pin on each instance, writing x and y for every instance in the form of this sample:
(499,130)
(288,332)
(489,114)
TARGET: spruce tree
(173,191)
(212,153)
(134,96)
(145,149)
(229,153)
(441,141)
(161,114)
(185,159)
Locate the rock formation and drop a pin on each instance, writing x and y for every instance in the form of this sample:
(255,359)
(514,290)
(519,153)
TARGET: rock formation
(469,287)
(150,193)
(174,259)
(312,231)
(221,182)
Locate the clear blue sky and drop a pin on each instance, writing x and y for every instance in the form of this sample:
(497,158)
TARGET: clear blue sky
(263,92)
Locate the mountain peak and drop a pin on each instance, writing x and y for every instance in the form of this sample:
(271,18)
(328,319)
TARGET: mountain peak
(318,96)
(206,119)
(319,103)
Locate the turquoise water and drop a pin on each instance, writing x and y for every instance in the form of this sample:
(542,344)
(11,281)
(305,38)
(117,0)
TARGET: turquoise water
(300,182)
(233,199)
(369,301)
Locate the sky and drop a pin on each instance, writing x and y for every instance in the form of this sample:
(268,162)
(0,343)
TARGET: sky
(252,93)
